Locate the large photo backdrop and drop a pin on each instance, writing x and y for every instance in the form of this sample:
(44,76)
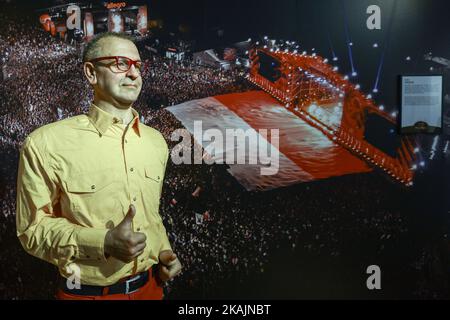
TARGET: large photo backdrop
(350,192)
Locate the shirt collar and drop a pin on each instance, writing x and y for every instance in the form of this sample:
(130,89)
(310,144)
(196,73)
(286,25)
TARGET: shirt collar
(102,120)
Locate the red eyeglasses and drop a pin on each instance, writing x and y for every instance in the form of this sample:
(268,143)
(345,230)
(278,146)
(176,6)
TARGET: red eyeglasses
(122,64)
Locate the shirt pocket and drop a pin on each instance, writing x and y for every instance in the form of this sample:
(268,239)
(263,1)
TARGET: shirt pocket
(154,181)
(154,175)
(151,190)
(94,197)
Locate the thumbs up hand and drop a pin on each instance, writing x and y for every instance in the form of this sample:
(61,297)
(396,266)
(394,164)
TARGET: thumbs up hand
(122,242)
(169,265)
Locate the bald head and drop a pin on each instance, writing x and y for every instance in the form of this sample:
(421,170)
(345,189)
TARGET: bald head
(94,48)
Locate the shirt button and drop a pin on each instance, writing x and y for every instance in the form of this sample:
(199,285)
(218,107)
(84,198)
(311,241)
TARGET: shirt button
(142,260)
(138,229)
(131,169)
(93,187)
(126,141)
(134,199)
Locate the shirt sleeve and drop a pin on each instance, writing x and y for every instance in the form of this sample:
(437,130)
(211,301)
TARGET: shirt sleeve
(165,244)
(42,231)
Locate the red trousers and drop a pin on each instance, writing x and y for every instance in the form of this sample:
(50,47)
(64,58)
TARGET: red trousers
(150,291)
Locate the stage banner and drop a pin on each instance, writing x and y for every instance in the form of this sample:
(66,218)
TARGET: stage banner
(142,20)
(115,21)
(45,21)
(304,153)
(88,26)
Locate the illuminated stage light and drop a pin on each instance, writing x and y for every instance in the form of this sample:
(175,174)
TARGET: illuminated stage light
(369,96)
(257,43)
(335,59)
(408,58)
(350,44)
(335,68)
(431,68)
(394,114)
(357,86)
(381,107)
(375,90)
(414,167)
(422,163)
(354,74)
(249,39)
(265,38)
(325,60)
(345,77)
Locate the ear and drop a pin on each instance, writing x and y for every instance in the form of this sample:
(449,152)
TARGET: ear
(89,72)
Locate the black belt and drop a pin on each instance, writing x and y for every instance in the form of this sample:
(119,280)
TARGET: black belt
(125,286)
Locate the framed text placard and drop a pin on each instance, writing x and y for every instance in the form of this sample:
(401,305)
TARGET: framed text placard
(421,103)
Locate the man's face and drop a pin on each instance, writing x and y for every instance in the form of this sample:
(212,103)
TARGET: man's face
(120,89)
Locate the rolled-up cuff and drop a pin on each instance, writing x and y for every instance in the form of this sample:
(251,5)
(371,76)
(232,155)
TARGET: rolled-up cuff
(90,243)
(165,245)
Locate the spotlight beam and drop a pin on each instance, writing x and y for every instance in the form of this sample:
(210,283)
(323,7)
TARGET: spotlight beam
(385,46)
(347,35)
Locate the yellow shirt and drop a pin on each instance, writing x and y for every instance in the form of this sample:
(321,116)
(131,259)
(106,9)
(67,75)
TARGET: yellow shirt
(77,178)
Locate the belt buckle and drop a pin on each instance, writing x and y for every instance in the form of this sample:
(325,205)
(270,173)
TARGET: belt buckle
(127,284)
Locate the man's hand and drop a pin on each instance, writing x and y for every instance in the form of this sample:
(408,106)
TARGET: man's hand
(169,265)
(122,242)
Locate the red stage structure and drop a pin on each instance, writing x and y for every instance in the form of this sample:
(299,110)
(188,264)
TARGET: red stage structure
(313,90)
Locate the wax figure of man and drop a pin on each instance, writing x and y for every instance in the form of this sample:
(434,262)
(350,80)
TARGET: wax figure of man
(89,187)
